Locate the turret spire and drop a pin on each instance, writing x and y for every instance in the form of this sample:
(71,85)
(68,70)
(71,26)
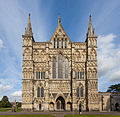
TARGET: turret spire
(90,28)
(29,28)
(59,19)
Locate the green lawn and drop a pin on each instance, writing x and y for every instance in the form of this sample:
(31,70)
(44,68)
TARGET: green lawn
(92,116)
(4,109)
(26,115)
(8,109)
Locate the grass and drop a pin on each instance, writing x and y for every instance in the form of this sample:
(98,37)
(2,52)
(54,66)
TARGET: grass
(92,116)
(27,116)
(8,109)
(4,109)
(19,109)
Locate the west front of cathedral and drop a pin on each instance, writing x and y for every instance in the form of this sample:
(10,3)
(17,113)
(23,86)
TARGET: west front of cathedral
(60,74)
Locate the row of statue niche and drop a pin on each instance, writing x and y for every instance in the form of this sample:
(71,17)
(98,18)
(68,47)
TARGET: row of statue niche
(39,56)
(92,97)
(28,75)
(27,98)
(26,85)
(92,42)
(92,84)
(92,55)
(27,54)
(27,63)
(92,73)
(80,56)
(27,42)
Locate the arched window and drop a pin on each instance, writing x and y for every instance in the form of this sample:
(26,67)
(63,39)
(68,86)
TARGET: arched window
(66,68)
(81,92)
(65,43)
(62,43)
(54,68)
(75,75)
(54,43)
(82,74)
(42,92)
(78,75)
(60,63)
(77,92)
(57,43)
(42,75)
(38,92)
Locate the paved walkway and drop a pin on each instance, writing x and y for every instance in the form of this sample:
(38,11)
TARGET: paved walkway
(60,114)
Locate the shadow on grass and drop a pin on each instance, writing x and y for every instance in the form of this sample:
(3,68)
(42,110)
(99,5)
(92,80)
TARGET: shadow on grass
(92,116)
(27,116)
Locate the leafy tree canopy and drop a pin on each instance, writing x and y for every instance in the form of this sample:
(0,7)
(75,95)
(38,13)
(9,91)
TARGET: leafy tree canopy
(114,88)
(4,103)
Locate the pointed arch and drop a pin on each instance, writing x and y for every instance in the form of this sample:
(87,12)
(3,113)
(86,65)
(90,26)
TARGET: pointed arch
(79,90)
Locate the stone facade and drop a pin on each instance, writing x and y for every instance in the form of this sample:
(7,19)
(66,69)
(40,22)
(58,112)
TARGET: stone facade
(60,74)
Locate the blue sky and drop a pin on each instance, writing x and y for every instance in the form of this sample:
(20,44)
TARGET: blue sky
(44,16)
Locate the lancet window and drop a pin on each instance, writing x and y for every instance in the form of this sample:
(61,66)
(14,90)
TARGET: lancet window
(60,63)
(54,68)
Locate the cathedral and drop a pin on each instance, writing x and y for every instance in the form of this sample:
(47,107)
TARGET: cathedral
(60,75)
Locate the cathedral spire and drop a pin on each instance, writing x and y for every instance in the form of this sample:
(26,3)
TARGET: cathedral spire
(59,19)
(90,28)
(28,31)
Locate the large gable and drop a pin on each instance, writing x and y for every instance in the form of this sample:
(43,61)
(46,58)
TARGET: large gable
(59,37)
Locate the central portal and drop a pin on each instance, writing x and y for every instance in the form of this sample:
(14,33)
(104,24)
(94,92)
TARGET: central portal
(60,103)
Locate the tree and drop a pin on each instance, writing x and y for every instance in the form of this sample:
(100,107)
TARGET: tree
(114,88)
(19,104)
(4,103)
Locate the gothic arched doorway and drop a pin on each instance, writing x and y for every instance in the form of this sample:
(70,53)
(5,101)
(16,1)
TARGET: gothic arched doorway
(51,107)
(60,103)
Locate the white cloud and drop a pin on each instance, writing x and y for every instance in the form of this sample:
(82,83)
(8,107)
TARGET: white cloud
(17,93)
(5,88)
(108,58)
(1,44)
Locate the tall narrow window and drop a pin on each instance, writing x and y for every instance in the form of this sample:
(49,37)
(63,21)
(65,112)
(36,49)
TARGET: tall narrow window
(57,43)
(65,43)
(82,75)
(78,75)
(77,92)
(62,43)
(66,68)
(81,92)
(42,75)
(38,92)
(42,92)
(75,75)
(54,43)
(60,63)
(54,68)
(37,75)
